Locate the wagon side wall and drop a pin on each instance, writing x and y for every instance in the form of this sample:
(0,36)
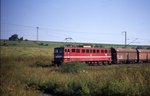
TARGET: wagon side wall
(144,55)
(126,55)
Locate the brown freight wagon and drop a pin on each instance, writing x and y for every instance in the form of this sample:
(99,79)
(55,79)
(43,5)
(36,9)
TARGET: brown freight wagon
(124,55)
(143,55)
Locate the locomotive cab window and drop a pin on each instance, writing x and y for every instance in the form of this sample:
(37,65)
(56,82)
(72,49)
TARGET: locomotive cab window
(56,51)
(105,51)
(60,51)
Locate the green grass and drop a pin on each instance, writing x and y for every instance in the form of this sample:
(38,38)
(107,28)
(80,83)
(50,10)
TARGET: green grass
(40,44)
(73,67)
(22,74)
(131,80)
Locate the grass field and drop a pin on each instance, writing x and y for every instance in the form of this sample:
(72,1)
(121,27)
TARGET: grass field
(27,71)
(47,44)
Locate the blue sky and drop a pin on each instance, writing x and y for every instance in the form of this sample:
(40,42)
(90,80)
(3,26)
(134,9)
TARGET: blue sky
(90,21)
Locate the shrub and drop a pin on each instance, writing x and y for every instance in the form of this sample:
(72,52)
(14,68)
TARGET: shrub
(14,44)
(26,40)
(117,88)
(41,44)
(5,44)
(40,64)
(73,67)
(46,45)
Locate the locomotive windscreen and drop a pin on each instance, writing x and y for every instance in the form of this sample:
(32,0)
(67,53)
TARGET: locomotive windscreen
(58,55)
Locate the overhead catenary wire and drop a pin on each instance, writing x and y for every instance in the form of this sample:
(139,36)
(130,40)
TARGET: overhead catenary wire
(61,33)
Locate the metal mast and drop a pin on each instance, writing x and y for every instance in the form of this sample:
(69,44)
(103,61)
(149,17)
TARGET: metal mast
(37,38)
(125,38)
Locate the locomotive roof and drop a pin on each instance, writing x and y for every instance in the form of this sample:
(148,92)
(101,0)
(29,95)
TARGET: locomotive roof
(83,47)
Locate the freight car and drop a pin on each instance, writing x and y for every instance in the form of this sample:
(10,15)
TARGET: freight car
(143,56)
(88,55)
(124,55)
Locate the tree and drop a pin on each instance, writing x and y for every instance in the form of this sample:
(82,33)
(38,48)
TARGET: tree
(21,39)
(14,37)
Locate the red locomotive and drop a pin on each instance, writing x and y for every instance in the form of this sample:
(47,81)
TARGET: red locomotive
(88,55)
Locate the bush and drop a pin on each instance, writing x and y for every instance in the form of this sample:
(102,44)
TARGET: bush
(46,45)
(73,67)
(41,44)
(26,40)
(14,44)
(40,64)
(5,44)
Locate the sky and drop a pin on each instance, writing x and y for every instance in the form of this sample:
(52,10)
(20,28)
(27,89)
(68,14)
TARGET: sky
(86,21)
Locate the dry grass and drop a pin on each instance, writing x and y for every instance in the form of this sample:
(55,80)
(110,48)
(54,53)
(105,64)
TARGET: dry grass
(19,78)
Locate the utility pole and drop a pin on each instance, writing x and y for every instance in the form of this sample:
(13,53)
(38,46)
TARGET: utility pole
(37,33)
(125,38)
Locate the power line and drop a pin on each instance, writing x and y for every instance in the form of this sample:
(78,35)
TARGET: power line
(59,31)
(18,25)
(64,33)
(133,41)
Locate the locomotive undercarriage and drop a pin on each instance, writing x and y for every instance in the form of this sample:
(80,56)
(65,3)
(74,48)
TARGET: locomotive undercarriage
(93,63)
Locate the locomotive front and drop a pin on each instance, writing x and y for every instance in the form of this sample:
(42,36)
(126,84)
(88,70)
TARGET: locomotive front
(58,55)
